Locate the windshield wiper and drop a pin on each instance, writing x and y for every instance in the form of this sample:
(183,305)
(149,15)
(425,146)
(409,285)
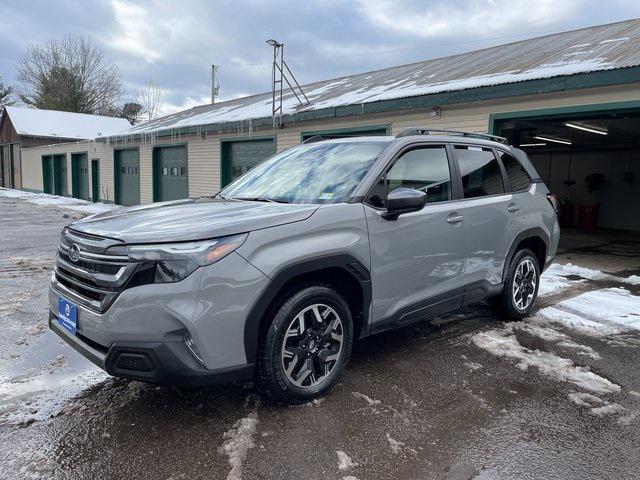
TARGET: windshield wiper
(260,199)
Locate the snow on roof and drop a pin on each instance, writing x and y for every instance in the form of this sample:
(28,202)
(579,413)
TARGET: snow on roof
(603,47)
(57,124)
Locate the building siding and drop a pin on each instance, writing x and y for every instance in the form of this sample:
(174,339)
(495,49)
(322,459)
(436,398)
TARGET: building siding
(203,151)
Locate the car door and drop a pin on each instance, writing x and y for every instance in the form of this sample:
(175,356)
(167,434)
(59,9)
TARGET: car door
(488,209)
(417,260)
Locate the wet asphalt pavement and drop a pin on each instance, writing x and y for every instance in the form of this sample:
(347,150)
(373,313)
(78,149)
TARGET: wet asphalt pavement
(421,403)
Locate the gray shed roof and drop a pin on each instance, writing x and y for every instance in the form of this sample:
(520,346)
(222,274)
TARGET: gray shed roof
(593,49)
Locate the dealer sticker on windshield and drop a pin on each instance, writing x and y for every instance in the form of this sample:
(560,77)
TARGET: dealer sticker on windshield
(67,315)
(326,195)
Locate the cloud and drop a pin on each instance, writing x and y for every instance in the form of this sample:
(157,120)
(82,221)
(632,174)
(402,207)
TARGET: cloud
(174,44)
(484,18)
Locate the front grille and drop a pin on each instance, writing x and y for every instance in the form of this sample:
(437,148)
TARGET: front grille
(93,267)
(95,279)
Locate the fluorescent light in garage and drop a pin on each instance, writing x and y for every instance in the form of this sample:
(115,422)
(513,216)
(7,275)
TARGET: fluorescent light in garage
(532,144)
(588,128)
(555,140)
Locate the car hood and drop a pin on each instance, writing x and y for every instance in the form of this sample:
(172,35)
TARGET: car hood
(193,219)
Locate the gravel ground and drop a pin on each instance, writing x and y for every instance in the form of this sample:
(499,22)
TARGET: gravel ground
(464,396)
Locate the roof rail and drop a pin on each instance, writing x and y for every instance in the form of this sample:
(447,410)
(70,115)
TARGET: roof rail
(429,131)
(315,138)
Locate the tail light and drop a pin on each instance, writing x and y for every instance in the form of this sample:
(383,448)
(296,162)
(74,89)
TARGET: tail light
(553,200)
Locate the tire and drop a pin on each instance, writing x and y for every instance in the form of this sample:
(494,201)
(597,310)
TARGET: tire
(512,303)
(287,352)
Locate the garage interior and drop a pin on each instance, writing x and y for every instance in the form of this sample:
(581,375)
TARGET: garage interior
(591,161)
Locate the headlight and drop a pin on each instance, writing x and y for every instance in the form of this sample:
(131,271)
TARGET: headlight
(172,262)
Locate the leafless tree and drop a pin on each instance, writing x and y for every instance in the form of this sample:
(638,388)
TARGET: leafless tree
(150,98)
(6,94)
(70,74)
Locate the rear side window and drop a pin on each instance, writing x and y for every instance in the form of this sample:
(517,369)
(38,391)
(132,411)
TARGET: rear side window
(517,175)
(480,170)
(425,169)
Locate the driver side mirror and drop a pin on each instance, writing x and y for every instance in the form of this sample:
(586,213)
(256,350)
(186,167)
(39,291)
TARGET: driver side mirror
(404,200)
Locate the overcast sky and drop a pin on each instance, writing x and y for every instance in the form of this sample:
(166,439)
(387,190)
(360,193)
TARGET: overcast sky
(174,42)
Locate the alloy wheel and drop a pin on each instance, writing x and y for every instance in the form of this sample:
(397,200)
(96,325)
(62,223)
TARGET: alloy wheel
(524,284)
(312,345)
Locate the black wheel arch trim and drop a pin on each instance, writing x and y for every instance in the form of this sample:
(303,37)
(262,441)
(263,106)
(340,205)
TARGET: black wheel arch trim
(351,265)
(523,235)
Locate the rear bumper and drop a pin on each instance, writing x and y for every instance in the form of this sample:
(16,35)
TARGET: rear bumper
(167,362)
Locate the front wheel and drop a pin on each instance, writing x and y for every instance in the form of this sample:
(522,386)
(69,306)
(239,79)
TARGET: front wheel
(307,345)
(521,286)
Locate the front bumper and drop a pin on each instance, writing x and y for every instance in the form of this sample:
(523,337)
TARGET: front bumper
(164,362)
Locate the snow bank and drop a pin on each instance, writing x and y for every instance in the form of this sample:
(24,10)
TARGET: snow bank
(45,199)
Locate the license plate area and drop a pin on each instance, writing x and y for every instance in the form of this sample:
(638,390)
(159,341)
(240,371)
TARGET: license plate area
(68,315)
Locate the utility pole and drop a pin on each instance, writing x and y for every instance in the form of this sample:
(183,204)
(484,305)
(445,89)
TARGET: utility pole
(215,88)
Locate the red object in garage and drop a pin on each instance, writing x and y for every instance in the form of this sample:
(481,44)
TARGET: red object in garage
(567,212)
(588,216)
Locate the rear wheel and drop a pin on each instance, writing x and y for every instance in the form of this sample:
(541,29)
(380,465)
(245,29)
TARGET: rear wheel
(306,346)
(521,286)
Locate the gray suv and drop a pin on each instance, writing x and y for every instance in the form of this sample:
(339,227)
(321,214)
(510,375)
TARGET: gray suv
(327,242)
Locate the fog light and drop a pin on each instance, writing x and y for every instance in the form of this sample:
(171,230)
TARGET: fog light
(192,346)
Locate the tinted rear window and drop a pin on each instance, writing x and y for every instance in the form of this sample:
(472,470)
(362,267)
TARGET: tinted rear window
(517,175)
(481,173)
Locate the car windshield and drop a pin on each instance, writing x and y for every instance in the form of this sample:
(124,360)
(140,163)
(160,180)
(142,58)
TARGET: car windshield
(312,173)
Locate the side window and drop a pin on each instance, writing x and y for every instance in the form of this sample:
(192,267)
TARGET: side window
(424,168)
(518,177)
(480,170)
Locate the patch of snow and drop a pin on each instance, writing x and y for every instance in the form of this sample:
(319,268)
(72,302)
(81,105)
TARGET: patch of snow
(609,409)
(621,39)
(570,269)
(369,400)
(344,461)
(585,399)
(239,440)
(584,350)
(472,365)
(396,446)
(575,322)
(543,332)
(58,124)
(633,280)
(614,308)
(629,418)
(505,344)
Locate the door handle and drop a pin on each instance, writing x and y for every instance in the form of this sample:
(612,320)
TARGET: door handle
(513,208)
(453,218)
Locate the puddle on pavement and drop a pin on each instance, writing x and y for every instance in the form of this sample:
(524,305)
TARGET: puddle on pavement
(37,383)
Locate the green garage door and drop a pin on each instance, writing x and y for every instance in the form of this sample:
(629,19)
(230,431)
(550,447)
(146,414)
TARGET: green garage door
(127,177)
(95,180)
(241,156)
(80,175)
(54,174)
(170,173)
